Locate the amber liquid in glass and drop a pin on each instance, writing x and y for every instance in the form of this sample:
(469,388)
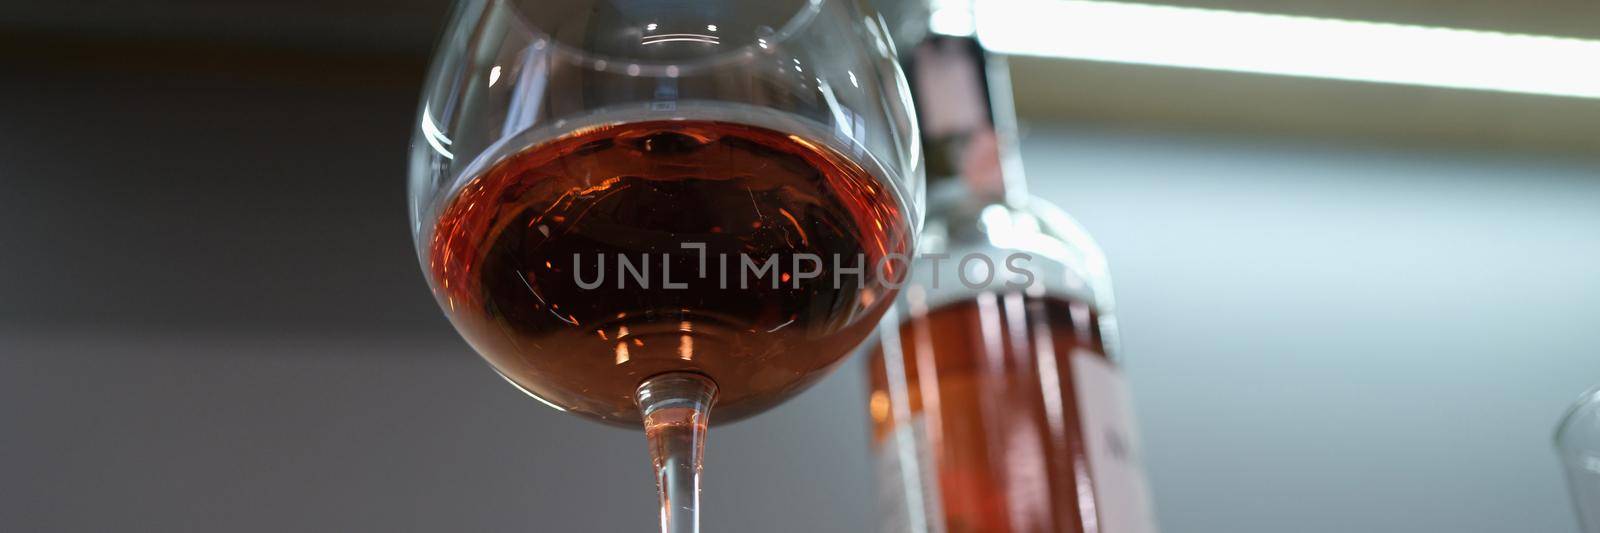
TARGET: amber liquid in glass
(989,386)
(504,251)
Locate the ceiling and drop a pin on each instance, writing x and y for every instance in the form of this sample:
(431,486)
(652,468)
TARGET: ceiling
(388,40)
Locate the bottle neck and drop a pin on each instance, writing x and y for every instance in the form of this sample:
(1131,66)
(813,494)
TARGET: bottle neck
(964,107)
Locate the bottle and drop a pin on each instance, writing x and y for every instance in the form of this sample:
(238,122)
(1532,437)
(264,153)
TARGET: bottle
(1577,442)
(996,398)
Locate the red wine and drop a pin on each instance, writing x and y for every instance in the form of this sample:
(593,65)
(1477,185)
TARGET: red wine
(516,254)
(1010,409)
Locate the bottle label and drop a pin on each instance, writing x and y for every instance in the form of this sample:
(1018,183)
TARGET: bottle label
(908,488)
(1122,501)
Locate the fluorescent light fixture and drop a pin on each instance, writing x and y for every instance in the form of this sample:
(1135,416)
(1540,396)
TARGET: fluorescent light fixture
(1294,46)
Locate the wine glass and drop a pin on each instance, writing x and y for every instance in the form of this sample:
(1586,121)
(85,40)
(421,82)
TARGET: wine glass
(1577,442)
(634,209)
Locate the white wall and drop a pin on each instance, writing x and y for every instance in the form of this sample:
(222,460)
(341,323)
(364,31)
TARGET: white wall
(1326,339)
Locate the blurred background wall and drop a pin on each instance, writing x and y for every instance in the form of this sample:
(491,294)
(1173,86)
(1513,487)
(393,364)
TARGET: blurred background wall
(1347,306)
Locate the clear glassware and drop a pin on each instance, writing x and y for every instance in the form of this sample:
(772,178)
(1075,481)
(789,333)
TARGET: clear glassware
(999,404)
(996,395)
(559,142)
(1577,440)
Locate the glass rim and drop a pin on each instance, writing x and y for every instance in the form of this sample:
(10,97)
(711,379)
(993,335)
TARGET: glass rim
(657,69)
(1588,396)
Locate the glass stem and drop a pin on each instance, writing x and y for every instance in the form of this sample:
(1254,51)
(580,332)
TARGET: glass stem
(676,408)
